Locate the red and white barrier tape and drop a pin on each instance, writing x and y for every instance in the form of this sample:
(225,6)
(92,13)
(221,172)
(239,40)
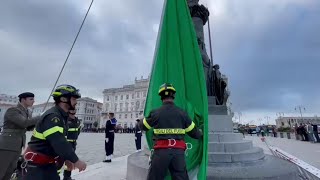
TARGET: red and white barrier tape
(306,170)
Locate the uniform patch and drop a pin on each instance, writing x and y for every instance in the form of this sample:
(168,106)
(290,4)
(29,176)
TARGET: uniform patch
(55,120)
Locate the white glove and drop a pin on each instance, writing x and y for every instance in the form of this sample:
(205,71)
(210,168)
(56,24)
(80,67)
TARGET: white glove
(135,138)
(107,140)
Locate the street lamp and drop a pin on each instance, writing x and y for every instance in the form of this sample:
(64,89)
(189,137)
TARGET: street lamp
(280,114)
(300,108)
(229,104)
(239,114)
(267,117)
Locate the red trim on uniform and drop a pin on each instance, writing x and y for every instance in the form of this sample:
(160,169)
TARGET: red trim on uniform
(38,158)
(170,143)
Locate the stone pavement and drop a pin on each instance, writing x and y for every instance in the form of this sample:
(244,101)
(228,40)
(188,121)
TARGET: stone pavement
(91,150)
(90,146)
(116,170)
(306,151)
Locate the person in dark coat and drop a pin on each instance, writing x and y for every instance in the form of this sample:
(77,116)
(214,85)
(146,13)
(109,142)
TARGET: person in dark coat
(48,146)
(315,132)
(170,125)
(138,135)
(109,135)
(72,137)
(13,136)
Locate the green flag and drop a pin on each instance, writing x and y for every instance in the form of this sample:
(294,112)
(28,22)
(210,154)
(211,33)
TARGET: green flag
(177,60)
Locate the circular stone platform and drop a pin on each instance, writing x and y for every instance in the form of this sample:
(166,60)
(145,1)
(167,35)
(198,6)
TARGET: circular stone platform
(267,168)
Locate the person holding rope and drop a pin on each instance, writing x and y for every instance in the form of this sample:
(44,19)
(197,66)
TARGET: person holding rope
(72,137)
(48,145)
(170,124)
(17,120)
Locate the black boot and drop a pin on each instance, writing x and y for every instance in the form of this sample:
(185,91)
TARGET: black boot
(107,161)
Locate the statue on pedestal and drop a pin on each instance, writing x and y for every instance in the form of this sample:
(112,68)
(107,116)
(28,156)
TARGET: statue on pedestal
(216,85)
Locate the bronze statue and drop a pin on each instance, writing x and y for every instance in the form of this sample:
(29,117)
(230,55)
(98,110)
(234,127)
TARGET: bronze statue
(216,86)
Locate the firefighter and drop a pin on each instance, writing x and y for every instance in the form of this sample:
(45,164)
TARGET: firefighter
(48,144)
(73,133)
(170,125)
(109,135)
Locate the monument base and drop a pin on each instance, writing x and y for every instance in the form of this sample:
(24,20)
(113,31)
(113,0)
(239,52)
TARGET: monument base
(138,165)
(270,167)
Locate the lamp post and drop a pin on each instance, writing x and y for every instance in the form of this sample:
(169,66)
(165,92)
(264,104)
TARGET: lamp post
(239,114)
(300,108)
(267,117)
(280,114)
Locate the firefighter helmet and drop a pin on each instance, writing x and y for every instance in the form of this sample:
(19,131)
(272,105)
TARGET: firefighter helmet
(167,90)
(66,91)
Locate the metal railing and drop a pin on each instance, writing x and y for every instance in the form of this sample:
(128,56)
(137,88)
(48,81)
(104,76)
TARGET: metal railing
(306,171)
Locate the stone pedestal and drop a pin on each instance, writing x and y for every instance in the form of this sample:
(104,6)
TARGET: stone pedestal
(138,165)
(232,157)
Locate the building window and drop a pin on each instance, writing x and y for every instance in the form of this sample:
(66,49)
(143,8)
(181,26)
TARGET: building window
(132,96)
(119,116)
(121,104)
(116,98)
(126,106)
(282,124)
(115,107)
(108,98)
(131,115)
(136,115)
(143,103)
(121,97)
(125,116)
(137,105)
(127,96)
(144,93)
(138,94)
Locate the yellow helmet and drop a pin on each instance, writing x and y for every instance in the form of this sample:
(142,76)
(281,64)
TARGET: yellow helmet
(167,90)
(66,91)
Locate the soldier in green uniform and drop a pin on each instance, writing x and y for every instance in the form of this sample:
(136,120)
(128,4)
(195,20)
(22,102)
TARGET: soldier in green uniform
(13,136)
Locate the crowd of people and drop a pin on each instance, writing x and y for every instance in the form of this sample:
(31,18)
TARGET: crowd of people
(303,132)
(307,132)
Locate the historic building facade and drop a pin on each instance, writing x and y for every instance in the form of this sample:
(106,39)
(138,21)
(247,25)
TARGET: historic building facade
(127,102)
(291,121)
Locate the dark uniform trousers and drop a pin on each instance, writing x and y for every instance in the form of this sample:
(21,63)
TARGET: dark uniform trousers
(164,159)
(110,144)
(43,172)
(138,140)
(8,163)
(67,173)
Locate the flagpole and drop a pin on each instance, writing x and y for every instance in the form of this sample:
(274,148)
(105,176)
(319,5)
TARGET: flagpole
(209,31)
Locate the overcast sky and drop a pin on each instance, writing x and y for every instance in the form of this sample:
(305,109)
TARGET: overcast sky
(269,49)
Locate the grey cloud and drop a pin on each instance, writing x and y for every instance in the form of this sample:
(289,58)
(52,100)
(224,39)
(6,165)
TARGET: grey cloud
(269,50)
(268,60)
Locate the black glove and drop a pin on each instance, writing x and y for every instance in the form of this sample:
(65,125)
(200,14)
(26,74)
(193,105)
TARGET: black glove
(30,128)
